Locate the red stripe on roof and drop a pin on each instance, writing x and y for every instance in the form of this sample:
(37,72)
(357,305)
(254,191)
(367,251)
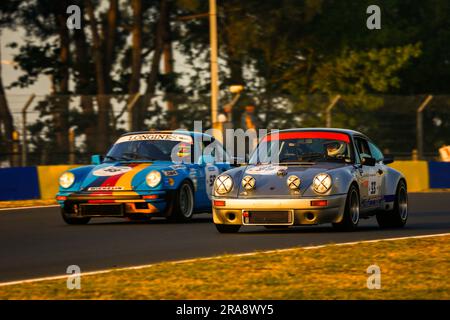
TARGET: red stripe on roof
(308,135)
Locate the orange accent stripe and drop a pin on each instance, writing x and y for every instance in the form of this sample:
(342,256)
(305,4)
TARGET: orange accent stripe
(125,179)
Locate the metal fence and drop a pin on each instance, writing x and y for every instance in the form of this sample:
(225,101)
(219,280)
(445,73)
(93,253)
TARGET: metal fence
(405,126)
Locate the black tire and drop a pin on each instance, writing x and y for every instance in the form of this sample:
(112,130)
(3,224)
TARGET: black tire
(72,220)
(227,228)
(182,203)
(397,217)
(351,212)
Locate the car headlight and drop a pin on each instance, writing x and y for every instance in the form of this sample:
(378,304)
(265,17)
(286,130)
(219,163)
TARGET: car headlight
(66,179)
(223,184)
(153,178)
(248,183)
(322,183)
(293,182)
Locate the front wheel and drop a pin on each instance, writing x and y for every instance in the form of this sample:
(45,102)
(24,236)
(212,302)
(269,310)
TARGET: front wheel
(227,228)
(182,206)
(397,217)
(72,220)
(351,214)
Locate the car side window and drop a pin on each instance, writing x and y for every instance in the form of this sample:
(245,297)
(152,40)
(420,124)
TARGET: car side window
(218,152)
(376,153)
(363,148)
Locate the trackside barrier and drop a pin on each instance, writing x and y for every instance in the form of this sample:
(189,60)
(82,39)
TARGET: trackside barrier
(41,182)
(416,174)
(439,174)
(48,179)
(19,183)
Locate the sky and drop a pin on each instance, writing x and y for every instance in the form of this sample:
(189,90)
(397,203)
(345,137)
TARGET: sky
(10,74)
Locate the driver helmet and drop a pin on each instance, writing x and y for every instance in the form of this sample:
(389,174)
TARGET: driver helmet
(335,148)
(184,150)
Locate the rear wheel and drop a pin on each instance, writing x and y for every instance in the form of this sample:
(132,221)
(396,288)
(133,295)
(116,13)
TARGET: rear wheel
(182,206)
(397,217)
(73,220)
(351,214)
(227,228)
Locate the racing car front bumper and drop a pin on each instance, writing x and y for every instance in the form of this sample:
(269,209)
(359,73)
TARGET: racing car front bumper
(302,211)
(113,205)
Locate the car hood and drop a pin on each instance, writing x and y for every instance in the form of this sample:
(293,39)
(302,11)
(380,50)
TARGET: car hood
(271,179)
(117,176)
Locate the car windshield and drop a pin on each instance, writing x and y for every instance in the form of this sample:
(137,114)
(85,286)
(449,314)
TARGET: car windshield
(149,148)
(298,147)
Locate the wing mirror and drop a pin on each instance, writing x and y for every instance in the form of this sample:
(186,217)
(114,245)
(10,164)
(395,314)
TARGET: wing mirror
(388,158)
(367,161)
(96,159)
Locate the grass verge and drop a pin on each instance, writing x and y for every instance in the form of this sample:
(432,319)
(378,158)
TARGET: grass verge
(410,269)
(26,203)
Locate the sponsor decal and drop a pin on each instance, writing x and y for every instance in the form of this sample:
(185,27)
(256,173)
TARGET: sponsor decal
(266,169)
(178,167)
(170,173)
(105,188)
(111,171)
(156,137)
(211,172)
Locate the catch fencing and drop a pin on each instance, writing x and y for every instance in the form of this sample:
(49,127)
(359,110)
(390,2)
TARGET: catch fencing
(68,129)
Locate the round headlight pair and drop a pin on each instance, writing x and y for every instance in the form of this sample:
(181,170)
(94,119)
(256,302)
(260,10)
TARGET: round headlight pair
(322,183)
(153,178)
(66,179)
(223,184)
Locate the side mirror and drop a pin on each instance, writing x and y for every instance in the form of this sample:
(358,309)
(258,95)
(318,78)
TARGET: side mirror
(205,159)
(96,159)
(369,161)
(388,158)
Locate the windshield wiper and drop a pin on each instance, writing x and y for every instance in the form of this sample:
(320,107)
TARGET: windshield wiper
(302,158)
(135,156)
(112,158)
(297,163)
(315,155)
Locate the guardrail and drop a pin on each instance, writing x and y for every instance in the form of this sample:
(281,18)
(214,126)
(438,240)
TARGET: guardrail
(41,182)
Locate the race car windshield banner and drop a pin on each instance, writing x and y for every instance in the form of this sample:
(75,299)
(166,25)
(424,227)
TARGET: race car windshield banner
(156,137)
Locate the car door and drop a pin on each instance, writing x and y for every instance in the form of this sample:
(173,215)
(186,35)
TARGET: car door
(380,174)
(366,173)
(216,165)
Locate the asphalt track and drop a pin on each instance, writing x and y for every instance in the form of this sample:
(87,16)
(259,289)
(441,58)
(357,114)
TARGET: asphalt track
(36,242)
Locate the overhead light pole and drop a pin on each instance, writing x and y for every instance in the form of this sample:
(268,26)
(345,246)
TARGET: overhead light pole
(214,65)
(419,126)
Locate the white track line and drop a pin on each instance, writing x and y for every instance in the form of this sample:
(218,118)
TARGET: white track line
(30,207)
(217,257)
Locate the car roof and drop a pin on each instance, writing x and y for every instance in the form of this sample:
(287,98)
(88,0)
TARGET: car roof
(339,130)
